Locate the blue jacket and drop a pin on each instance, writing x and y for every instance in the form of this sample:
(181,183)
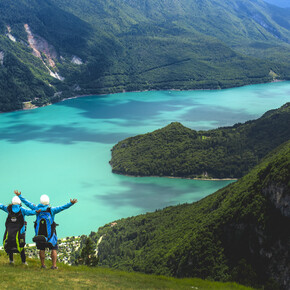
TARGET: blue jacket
(54,210)
(16,208)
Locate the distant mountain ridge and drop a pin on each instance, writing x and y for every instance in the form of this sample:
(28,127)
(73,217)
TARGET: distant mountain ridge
(240,233)
(280,3)
(228,152)
(116,45)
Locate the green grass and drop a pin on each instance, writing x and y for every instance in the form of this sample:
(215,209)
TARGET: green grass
(82,277)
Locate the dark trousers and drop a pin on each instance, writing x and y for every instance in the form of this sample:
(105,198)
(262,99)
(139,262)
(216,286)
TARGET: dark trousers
(22,255)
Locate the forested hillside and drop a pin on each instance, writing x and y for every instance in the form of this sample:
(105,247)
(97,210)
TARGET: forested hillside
(30,63)
(64,48)
(240,233)
(228,152)
(22,76)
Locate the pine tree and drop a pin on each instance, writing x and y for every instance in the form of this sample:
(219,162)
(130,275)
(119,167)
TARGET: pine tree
(88,254)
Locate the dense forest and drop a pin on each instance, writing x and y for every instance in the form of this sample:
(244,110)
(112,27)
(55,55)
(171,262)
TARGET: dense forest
(240,233)
(228,152)
(111,46)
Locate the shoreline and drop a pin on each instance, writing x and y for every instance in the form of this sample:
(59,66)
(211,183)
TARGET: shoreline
(177,177)
(138,91)
(177,90)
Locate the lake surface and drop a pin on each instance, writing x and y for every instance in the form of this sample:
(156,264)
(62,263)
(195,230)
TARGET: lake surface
(63,150)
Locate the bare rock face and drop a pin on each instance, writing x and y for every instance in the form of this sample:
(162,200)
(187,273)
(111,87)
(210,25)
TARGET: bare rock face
(278,253)
(1,57)
(76,60)
(280,197)
(279,265)
(9,35)
(40,46)
(266,243)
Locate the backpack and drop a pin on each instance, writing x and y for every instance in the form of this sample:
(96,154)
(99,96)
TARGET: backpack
(45,233)
(13,241)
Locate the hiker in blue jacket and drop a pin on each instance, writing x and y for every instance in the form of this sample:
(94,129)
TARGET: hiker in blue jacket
(14,237)
(44,207)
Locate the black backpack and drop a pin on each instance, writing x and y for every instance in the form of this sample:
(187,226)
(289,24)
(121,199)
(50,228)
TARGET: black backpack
(13,241)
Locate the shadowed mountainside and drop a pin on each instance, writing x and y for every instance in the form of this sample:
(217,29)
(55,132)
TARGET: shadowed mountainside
(240,233)
(116,45)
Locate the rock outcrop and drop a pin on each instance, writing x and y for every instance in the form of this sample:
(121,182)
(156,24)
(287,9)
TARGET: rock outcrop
(41,47)
(280,197)
(1,57)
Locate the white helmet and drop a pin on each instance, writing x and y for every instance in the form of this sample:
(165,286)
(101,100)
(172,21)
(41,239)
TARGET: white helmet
(16,200)
(44,199)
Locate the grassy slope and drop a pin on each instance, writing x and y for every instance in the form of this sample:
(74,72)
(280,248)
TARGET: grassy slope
(66,277)
(228,152)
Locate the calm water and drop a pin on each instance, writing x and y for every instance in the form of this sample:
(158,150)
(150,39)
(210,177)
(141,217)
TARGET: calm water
(63,150)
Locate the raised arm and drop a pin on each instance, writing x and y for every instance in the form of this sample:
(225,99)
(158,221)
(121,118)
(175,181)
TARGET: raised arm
(3,207)
(29,212)
(58,209)
(25,201)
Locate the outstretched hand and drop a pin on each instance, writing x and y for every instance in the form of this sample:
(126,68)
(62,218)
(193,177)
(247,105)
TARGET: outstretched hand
(17,192)
(38,211)
(73,201)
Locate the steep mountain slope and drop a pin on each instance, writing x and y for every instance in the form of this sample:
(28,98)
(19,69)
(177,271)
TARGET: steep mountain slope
(22,76)
(28,70)
(239,23)
(228,152)
(66,32)
(240,233)
(86,47)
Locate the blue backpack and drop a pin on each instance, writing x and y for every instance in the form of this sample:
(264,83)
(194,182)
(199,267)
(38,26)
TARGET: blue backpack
(45,233)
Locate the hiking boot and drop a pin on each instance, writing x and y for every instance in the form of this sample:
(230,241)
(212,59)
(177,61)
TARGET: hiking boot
(53,268)
(43,267)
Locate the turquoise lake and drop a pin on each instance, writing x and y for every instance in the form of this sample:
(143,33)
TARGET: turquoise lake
(63,150)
